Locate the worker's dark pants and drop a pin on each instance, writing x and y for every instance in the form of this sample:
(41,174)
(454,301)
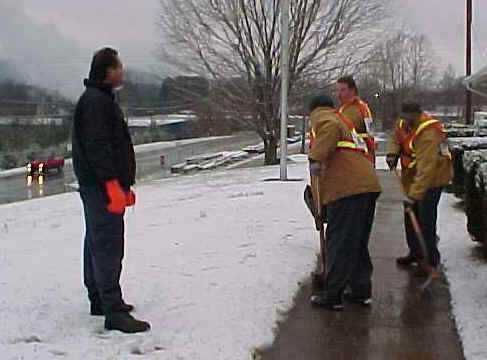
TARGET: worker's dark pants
(427,214)
(103,250)
(350,223)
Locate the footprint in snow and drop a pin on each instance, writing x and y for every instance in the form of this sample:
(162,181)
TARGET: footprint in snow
(143,349)
(210,268)
(58,352)
(28,340)
(246,245)
(245,194)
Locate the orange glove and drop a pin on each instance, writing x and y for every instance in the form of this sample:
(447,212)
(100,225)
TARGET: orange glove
(116,197)
(130,196)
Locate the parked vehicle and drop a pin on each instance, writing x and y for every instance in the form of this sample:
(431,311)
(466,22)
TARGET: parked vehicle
(43,166)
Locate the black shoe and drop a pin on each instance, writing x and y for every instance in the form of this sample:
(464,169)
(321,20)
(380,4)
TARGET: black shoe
(327,303)
(97,310)
(423,272)
(127,307)
(407,260)
(125,322)
(362,300)
(420,273)
(317,282)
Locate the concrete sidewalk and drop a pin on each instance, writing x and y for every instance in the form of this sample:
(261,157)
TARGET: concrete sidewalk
(401,324)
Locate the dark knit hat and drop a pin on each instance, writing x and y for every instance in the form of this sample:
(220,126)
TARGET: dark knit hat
(411,107)
(321,100)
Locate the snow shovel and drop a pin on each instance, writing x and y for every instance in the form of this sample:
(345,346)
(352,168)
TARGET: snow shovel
(433,274)
(311,205)
(319,279)
(317,282)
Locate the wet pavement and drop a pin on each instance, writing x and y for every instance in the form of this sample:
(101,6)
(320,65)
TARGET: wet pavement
(402,323)
(20,188)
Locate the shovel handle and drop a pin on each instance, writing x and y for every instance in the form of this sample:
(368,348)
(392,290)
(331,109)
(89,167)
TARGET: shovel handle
(419,234)
(416,226)
(319,212)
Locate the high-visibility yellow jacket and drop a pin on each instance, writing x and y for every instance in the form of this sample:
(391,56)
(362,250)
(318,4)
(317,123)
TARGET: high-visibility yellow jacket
(425,157)
(347,170)
(359,113)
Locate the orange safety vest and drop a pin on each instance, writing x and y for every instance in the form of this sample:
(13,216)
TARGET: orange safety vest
(367,116)
(357,144)
(406,139)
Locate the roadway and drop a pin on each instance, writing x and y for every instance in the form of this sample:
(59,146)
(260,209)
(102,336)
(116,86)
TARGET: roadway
(20,188)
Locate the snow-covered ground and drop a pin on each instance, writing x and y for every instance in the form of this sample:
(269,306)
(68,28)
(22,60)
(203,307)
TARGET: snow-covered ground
(467,274)
(212,261)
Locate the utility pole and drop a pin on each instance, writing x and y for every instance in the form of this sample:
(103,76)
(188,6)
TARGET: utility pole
(284,84)
(468,102)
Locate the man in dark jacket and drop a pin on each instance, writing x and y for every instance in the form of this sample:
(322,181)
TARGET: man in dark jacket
(104,163)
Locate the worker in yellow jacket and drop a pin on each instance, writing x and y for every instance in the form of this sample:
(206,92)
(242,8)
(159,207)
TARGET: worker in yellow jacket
(357,110)
(419,142)
(349,188)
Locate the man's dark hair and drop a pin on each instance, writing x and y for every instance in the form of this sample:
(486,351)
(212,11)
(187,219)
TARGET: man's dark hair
(102,60)
(349,81)
(411,107)
(321,100)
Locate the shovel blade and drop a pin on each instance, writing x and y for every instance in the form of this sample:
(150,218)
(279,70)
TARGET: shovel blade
(433,276)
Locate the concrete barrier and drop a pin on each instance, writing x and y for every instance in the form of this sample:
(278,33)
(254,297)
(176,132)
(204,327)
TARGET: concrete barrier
(177,152)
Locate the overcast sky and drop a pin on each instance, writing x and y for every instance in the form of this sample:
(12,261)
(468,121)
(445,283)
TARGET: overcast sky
(443,21)
(56,38)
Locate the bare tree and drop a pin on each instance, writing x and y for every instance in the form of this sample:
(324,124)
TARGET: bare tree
(237,42)
(421,62)
(402,66)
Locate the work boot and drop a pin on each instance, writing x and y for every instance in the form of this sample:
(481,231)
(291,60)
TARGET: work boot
(97,310)
(407,260)
(327,303)
(127,307)
(317,282)
(423,272)
(420,272)
(125,322)
(362,300)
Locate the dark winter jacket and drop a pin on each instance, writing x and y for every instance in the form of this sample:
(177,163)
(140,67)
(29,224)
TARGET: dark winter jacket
(102,148)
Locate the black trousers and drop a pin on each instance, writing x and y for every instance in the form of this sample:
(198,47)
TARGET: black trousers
(103,250)
(427,214)
(350,223)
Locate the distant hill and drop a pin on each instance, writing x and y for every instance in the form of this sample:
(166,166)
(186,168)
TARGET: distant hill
(8,71)
(15,88)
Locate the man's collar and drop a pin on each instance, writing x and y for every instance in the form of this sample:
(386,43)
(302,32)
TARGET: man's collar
(351,101)
(106,88)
